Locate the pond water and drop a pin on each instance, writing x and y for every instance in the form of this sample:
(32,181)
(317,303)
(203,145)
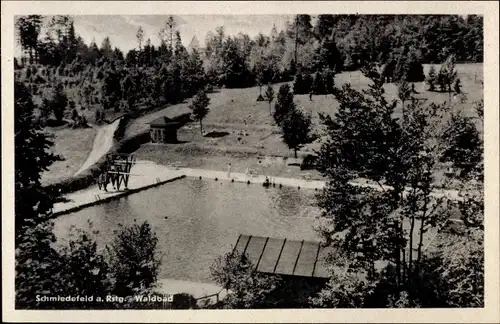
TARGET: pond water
(204,220)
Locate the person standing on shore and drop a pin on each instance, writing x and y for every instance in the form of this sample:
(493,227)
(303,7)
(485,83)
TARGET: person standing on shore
(229,170)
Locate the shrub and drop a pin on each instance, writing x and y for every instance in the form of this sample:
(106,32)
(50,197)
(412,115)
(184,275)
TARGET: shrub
(39,79)
(134,260)
(431,79)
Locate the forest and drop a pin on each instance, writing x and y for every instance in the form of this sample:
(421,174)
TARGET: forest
(70,78)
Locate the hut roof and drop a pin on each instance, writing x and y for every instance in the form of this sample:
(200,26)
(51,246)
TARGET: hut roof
(164,122)
(284,257)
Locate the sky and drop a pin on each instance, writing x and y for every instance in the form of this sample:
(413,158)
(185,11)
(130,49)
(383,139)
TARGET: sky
(122,29)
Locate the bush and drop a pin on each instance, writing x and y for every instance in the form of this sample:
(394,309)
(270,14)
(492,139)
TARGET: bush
(77,268)
(431,79)
(183,301)
(308,162)
(134,260)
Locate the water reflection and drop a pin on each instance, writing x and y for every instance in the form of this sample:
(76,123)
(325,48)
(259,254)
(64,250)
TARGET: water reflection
(204,219)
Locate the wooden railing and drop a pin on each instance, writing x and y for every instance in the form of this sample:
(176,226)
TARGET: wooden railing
(216,295)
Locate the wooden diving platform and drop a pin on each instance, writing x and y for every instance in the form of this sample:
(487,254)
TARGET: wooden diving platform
(284,257)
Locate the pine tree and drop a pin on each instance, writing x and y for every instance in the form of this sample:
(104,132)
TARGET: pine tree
(414,68)
(140,37)
(130,90)
(284,103)
(308,83)
(296,128)
(199,107)
(298,84)
(59,102)
(28,29)
(328,56)
(329,82)
(318,84)
(270,96)
(33,156)
(457,86)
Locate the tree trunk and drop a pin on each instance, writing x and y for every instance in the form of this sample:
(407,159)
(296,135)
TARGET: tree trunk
(410,256)
(398,257)
(295,152)
(413,212)
(296,37)
(201,128)
(270,112)
(31,55)
(421,239)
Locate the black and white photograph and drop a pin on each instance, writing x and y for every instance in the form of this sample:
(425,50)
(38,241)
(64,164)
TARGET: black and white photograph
(248,161)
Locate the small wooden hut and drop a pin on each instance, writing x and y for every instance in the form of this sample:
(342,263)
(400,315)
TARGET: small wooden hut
(163,130)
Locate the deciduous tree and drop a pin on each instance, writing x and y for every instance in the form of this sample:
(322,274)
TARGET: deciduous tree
(134,259)
(380,231)
(461,143)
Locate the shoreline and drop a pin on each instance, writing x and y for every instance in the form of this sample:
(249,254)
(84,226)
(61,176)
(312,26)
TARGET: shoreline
(147,174)
(150,174)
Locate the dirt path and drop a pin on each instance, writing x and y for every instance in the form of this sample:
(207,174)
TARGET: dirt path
(103,142)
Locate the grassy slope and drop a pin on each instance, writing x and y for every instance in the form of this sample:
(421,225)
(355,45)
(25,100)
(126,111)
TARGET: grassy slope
(237,112)
(235,107)
(73,145)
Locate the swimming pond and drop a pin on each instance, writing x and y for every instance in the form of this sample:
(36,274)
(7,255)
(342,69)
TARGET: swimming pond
(196,220)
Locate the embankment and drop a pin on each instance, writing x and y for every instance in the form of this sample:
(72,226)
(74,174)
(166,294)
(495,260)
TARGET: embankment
(109,143)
